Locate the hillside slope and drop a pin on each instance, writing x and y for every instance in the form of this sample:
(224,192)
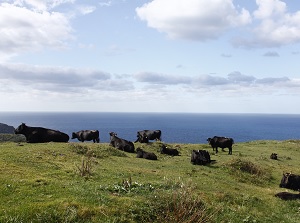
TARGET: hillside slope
(86,182)
(4,128)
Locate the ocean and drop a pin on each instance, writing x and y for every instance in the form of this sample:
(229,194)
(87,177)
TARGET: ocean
(175,127)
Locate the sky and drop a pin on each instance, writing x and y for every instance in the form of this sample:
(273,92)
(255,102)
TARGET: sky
(194,56)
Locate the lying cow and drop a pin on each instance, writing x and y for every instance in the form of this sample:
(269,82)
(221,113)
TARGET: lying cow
(86,135)
(121,144)
(40,135)
(287,196)
(146,155)
(200,157)
(273,156)
(222,142)
(169,151)
(290,181)
(146,135)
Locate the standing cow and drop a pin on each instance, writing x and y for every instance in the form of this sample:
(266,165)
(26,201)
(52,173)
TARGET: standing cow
(222,142)
(40,135)
(290,181)
(86,135)
(121,144)
(145,135)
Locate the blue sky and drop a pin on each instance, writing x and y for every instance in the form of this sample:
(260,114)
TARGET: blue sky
(217,56)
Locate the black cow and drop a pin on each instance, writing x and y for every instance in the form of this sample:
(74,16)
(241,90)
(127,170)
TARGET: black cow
(146,135)
(290,181)
(169,151)
(121,144)
(86,135)
(287,196)
(222,142)
(273,156)
(142,138)
(200,157)
(146,155)
(40,135)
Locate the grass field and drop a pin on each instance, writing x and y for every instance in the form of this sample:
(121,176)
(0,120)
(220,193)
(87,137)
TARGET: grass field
(86,182)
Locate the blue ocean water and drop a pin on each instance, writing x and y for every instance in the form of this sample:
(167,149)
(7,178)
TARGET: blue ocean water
(176,128)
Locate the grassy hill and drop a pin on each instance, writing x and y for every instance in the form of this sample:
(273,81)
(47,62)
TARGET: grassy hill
(85,182)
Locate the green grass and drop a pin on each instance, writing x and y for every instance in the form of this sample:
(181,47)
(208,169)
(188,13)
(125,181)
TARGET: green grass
(86,182)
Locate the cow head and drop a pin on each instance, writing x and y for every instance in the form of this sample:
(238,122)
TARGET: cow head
(74,135)
(21,129)
(113,134)
(208,140)
(285,180)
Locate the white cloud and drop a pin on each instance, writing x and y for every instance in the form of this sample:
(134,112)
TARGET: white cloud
(106,4)
(85,9)
(276,26)
(193,19)
(269,8)
(40,5)
(270,25)
(25,30)
(271,54)
(33,25)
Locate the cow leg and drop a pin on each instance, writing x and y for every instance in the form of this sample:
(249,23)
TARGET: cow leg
(98,140)
(230,151)
(216,149)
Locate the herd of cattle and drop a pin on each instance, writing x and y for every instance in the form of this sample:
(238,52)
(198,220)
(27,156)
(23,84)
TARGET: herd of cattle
(198,157)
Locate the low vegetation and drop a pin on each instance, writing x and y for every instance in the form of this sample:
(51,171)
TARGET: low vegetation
(87,182)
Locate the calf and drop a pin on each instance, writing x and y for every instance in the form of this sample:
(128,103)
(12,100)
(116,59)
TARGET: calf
(290,181)
(146,155)
(40,134)
(200,157)
(222,142)
(172,152)
(121,144)
(86,135)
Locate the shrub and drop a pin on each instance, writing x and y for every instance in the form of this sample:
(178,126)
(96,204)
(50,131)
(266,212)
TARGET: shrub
(78,148)
(240,167)
(12,138)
